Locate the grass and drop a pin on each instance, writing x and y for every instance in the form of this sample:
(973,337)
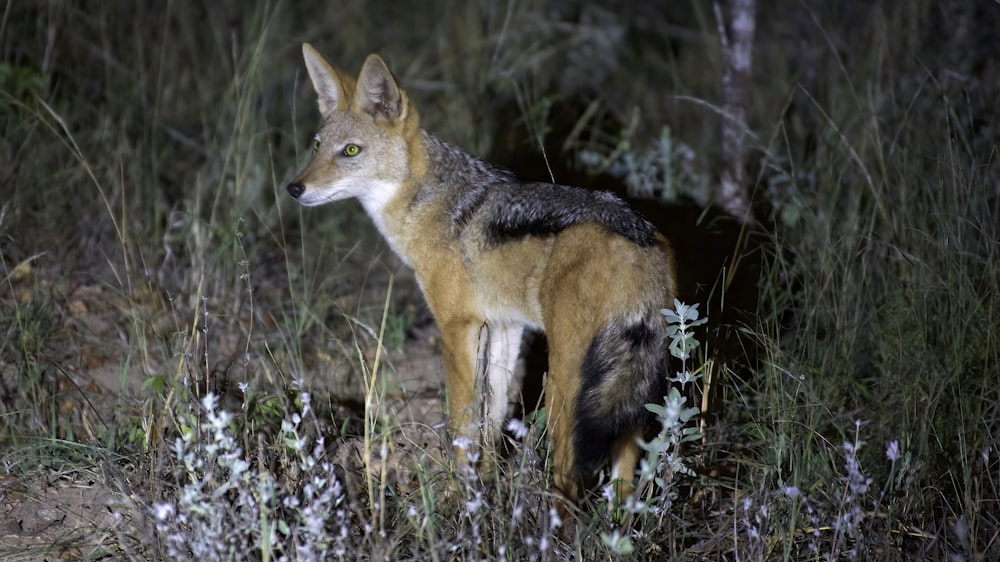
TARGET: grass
(180,334)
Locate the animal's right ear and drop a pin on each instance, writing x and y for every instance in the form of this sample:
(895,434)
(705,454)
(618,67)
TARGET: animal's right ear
(332,86)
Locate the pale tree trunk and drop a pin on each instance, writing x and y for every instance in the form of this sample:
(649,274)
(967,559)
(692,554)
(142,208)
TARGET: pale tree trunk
(736,36)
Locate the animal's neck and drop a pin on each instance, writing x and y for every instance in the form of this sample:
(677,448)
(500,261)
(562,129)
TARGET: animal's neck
(453,166)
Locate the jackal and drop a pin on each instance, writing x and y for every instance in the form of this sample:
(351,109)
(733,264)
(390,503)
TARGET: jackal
(494,253)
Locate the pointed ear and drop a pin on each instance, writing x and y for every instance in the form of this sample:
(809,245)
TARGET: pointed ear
(332,86)
(378,93)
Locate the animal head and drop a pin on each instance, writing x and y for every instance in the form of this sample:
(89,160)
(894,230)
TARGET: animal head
(362,148)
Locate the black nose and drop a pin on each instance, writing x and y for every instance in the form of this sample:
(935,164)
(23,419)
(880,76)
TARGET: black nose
(296,189)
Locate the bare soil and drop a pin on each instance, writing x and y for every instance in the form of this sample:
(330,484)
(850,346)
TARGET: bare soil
(55,509)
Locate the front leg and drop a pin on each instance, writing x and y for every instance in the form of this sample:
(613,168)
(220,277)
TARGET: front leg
(497,361)
(480,360)
(449,293)
(502,354)
(460,344)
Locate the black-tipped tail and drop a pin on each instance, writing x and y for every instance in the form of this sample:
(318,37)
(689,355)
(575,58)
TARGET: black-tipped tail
(622,372)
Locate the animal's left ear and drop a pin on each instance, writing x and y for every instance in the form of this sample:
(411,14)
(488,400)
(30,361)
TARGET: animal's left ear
(378,94)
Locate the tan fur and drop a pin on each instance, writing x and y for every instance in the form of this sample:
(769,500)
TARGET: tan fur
(571,283)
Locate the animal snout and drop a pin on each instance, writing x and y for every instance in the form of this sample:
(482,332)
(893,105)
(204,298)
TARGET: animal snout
(296,189)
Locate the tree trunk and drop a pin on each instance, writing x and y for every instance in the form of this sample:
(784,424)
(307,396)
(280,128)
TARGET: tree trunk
(736,36)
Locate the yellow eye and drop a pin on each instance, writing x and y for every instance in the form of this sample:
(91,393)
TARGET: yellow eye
(352,150)
(316,144)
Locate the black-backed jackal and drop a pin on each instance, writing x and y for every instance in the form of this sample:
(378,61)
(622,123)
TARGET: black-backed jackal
(490,250)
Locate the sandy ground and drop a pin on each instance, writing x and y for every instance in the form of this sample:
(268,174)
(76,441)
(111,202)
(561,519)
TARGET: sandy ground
(56,509)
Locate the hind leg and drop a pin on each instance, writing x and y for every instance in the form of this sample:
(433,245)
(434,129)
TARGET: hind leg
(609,387)
(624,457)
(598,301)
(559,406)
(562,388)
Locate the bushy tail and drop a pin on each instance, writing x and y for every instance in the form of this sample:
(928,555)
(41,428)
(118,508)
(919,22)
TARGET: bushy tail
(622,372)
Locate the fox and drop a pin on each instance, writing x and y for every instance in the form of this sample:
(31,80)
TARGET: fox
(495,257)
